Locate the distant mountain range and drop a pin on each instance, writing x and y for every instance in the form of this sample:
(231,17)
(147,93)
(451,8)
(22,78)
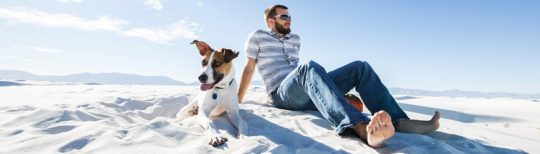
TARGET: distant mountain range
(102,78)
(120,78)
(99,78)
(461,93)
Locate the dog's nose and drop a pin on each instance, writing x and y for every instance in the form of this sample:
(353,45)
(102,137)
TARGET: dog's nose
(203,78)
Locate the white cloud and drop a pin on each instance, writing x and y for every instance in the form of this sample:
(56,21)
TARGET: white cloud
(154,4)
(163,35)
(70,1)
(44,49)
(7,57)
(37,49)
(166,34)
(200,3)
(30,60)
(32,16)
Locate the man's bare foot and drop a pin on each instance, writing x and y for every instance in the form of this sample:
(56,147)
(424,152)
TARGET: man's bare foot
(378,130)
(418,126)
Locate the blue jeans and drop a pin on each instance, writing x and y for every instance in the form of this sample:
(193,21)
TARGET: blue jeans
(310,87)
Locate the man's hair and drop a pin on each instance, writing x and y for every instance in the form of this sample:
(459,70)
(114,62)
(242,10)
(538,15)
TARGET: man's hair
(270,12)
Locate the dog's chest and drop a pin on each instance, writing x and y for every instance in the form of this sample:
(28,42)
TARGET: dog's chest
(221,96)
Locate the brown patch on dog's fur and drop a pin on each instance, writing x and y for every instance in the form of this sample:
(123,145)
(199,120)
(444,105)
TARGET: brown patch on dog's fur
(223,57)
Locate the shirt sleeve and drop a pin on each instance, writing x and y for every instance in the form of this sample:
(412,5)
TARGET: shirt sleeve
(299,44)
(252,47)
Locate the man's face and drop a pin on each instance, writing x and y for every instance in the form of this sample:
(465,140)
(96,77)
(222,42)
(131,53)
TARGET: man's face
(282,26)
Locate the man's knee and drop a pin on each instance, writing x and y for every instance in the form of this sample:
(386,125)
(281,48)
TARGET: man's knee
(361,64)
(312,65)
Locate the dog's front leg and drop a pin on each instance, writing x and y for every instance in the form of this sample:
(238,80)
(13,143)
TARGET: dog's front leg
(233,111)
(215,137)
(187,111)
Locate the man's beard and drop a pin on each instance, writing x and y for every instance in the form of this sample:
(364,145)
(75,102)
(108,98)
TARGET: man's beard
(282,29)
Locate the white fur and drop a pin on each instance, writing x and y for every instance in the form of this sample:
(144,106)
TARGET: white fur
(208,69)
(227,101)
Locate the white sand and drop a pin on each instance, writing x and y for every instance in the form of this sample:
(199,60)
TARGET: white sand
(43,117)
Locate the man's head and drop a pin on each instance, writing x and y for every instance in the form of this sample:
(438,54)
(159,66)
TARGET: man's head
(216,64)
(278,19)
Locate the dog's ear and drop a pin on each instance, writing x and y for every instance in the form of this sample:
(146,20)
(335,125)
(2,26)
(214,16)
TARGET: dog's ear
(228,55)
(202,46)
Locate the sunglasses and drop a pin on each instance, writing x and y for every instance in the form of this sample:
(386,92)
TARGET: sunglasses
(283,16)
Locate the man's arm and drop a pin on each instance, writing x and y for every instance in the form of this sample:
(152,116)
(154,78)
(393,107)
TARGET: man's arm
(247,75)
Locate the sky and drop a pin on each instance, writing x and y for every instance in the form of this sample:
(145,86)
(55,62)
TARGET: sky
(481,45)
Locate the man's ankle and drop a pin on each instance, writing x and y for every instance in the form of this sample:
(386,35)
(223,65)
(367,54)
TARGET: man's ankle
(360,130)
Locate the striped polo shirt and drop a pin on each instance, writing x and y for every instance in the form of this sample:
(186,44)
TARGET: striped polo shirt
(275,57)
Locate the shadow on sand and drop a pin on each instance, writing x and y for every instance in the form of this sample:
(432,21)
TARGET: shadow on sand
(293,141)
(454,115)
(439,142)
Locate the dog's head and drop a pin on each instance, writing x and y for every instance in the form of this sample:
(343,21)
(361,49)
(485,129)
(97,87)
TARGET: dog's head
(215,64)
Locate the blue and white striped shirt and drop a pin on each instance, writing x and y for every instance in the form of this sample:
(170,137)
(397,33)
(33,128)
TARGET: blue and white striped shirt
(275,57)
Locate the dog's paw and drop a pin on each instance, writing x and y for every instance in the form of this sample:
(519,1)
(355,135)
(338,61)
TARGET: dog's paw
(242,136)
(217,140)
(194,110)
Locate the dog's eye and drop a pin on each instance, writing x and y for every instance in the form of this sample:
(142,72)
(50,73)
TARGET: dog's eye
(216,63)
(204,63)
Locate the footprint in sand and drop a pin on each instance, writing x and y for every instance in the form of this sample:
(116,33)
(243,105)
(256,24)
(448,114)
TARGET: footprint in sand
(59,129)
(83,106)
(76,144)
(465,145)
(61,106)
(15,132)
(121,134)
(23,108)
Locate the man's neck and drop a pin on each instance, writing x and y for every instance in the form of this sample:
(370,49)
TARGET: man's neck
(280,35)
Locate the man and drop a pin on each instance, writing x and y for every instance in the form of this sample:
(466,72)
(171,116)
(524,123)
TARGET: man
(309,87)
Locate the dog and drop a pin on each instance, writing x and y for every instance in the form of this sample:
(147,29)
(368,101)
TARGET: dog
(218,93)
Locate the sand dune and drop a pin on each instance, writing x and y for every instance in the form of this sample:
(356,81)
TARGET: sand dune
(141,119)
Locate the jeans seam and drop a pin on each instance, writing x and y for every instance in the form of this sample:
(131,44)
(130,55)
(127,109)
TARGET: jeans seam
(317,93)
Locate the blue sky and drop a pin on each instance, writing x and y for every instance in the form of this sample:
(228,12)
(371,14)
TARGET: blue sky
(482,45)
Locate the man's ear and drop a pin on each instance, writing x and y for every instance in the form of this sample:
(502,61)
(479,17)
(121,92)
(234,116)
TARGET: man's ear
(228,55)
(270,22)
(202,46)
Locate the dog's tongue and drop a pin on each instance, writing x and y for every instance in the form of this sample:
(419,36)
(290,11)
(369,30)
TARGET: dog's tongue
(206,86)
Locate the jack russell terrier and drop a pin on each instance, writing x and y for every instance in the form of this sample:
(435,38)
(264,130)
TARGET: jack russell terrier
(218,93)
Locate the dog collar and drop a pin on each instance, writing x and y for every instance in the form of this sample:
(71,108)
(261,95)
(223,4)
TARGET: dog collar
(227,86)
